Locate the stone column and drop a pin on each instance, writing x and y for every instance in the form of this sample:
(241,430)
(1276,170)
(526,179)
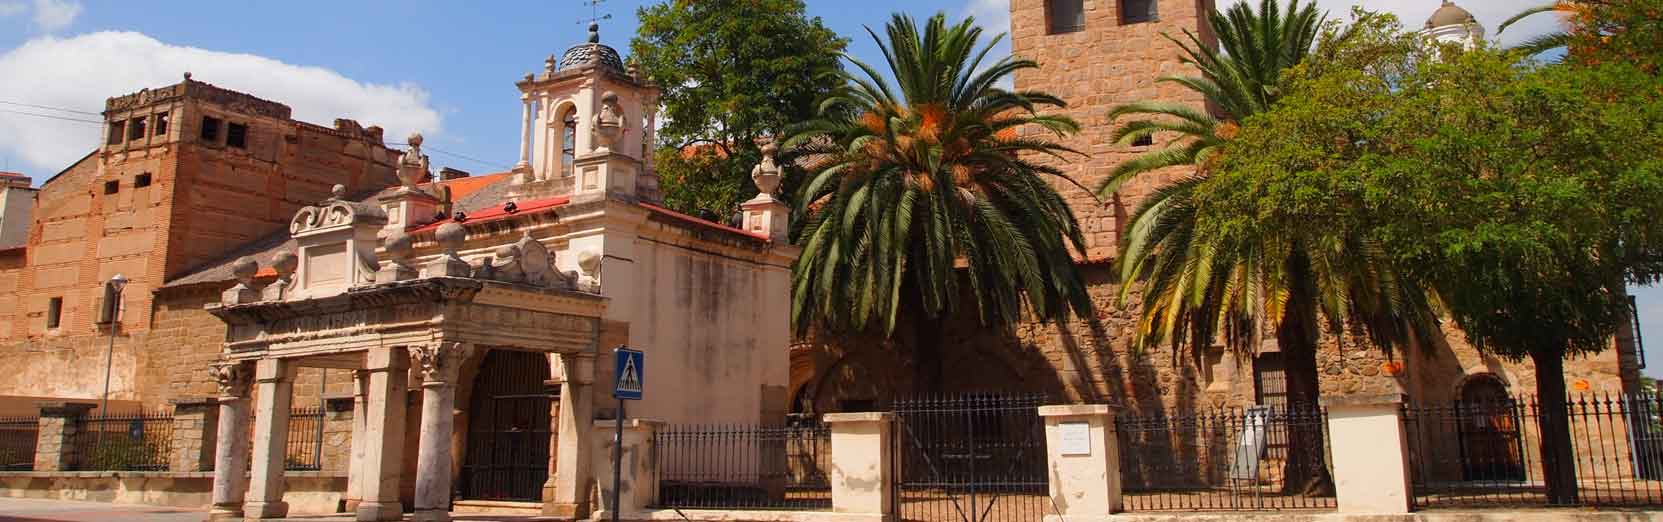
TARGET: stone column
(231,440)
(195,424)
(639,480)
(274,380)
(437,364)
(862,474)
(1371,453)
(572,473)
(55,442)
(383,461)
(525,133)
(355,463)
(1083,456)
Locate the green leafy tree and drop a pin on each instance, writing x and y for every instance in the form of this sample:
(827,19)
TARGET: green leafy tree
(734,72)
(925,193)
(1197,285)
(1522,197)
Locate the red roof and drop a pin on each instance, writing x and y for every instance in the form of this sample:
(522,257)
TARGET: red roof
(496,213)
(463,187)
(707,224)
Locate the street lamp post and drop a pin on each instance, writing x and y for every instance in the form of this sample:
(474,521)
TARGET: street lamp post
(116,284)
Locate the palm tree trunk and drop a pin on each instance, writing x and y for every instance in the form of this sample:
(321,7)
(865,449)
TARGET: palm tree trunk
(1306,470)
(1558,460)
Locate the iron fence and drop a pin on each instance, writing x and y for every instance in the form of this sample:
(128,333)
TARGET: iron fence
(971,458)
(1488,453)
(1231,459)
(17,443)
(744,467)
(123,442)
(304,451)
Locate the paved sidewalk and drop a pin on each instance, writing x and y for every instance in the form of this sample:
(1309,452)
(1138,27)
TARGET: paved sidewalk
(37,510)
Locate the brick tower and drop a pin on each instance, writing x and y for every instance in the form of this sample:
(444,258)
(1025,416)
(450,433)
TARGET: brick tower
(1097,54)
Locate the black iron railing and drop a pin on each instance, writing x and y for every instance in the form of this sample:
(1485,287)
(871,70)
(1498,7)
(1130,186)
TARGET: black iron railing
(17,442)
(976,457)
(123,442)
(744,467)
(305,443)
(1488,453)
(1230,459)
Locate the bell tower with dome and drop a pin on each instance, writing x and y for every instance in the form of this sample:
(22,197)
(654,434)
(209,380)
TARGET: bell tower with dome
(1452,24)
(587,123)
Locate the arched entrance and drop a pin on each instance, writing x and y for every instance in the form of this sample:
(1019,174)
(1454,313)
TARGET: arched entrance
(508,428)
(1489,427)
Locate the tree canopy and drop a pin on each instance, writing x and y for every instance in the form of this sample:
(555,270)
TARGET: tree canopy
(733,72)
(926,191)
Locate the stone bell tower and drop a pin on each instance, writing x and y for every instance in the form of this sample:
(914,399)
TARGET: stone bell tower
(587,125)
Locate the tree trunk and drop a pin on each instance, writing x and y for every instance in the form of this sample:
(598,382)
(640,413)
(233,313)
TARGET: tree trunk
(927,362)
(1305,472)
(1558,459)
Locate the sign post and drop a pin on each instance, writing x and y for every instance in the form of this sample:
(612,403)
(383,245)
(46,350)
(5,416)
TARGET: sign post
(628,380)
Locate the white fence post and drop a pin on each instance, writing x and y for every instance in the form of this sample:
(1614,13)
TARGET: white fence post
(1370,451)
(1083,457)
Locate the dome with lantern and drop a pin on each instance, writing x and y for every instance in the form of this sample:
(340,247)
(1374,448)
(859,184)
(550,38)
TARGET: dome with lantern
(593,53)
(1453,24)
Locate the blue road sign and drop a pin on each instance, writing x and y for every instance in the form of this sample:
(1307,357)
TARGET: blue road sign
(627,377)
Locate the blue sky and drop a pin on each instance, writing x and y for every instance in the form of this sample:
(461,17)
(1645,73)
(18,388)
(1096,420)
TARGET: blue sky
(444,68)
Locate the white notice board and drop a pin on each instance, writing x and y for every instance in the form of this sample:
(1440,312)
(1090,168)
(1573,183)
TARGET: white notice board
(1074,437)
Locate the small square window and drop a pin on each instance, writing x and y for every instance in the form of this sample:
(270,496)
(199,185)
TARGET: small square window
(112,186)
(1147,140)
(161,124)
(135,128)
(54,312)
(1065,16)
(118,130)
(1138,11)
(236,135)
(210,129)
(141,180)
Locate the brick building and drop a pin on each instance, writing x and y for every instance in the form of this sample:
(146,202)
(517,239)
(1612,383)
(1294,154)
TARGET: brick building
(186,174)
(1098,54)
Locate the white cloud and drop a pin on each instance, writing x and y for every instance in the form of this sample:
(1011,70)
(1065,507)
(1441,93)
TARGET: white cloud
(52,15)
(80,72)
(993,16)
(12,8)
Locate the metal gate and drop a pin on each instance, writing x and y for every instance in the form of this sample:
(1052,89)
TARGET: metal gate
(508,428)
(971,458)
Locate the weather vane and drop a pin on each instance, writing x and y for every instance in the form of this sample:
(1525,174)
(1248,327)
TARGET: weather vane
(595,18)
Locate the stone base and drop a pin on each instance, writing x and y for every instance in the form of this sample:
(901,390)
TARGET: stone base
(369,511)
(222,513)
(431,515)
(257,509)
(563,511)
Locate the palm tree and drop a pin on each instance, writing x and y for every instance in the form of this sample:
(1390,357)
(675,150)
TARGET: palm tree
(1204,278)
(925,193)
(1546,42)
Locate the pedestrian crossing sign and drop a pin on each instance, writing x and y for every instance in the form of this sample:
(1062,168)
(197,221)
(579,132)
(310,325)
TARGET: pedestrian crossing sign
(627,377)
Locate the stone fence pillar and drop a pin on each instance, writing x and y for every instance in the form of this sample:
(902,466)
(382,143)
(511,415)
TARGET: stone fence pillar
(640,469)
(338,421)
(1083,459)
(55,443)
(862,463)
(195,426)
(1371,457)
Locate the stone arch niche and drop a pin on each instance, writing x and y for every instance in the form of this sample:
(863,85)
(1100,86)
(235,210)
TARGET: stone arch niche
(1489,430)
(509,434)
